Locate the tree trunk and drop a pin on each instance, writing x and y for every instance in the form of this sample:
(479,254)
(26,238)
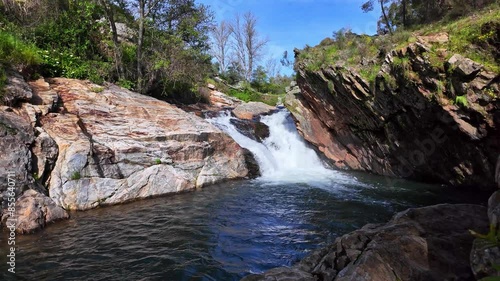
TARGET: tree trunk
(140,40)
(405,24)
(108,9)
(386,19)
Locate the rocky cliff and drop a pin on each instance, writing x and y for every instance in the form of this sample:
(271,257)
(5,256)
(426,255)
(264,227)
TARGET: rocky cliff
(422,120)
(74,145)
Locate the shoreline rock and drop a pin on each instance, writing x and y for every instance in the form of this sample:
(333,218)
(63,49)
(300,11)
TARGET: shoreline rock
(429,243)
(116,146)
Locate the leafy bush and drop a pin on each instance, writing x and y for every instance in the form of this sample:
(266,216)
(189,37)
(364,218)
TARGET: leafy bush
(16,53)
(127,84)
(66,64)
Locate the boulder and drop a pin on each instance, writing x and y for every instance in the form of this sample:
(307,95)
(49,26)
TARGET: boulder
(485,254)
(251,110)
(484,257)
(34,211)
(16,89)
(430,243)
(438,38)
(221,100)
(464,67)
(116,146)
(16,137)
(254,130)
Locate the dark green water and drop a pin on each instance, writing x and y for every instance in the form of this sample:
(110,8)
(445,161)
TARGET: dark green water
(222,232)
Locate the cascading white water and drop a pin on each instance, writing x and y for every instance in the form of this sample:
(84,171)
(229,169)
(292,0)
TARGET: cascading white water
(283,156)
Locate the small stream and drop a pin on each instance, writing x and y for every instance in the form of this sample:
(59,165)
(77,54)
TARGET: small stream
(226,231)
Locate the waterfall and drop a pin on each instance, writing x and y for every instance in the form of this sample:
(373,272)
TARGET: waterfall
(283,156)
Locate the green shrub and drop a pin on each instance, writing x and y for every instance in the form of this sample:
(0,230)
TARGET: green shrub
(97,89)
(245,95)
(461,101)
(16,53)
(66,64)
(76,176)
(127,84)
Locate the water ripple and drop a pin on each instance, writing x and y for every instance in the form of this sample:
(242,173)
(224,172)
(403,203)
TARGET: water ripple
(219,233)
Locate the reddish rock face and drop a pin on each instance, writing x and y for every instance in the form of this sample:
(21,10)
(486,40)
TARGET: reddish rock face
(408,126)
(116,146)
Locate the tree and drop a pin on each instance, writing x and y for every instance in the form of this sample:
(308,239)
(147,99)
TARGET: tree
(27,12)
(108,8)
(285,61)
(146,8)
(248,45)
(368,6)
(259,78)
(273,67)
(172,44)
(220,44)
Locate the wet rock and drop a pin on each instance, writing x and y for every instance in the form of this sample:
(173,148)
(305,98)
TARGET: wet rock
(252,164)
(255,130)
(34,211)
(251,110)
(430,243)
(116,146)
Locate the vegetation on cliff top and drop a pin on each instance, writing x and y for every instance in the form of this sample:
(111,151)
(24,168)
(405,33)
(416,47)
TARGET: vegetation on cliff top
(474,36)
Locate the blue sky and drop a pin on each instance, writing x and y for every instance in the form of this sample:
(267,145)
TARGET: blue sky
(294,23)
